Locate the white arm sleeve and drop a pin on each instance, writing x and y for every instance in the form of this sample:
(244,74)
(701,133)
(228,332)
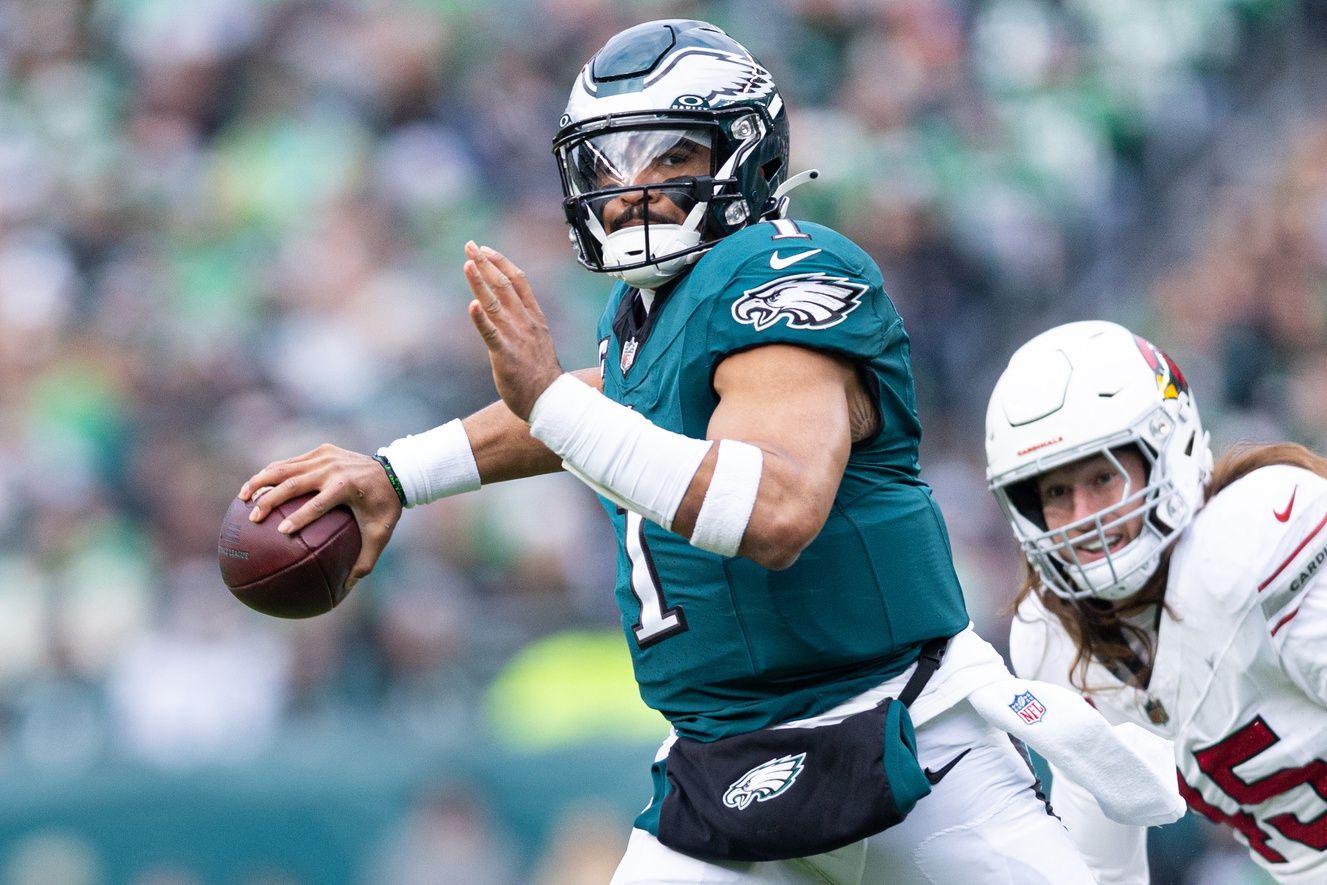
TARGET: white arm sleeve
(1116,853)
(726,508)
(616,451)
(628,459)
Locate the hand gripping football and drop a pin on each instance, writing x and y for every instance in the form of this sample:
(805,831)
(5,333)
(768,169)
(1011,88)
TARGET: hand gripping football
(287,576)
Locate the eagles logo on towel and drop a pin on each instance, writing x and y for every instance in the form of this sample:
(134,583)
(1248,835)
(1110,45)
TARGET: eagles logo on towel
(765,781)
(806,301)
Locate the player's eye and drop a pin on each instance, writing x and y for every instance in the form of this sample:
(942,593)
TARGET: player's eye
(679,155)
(1054,492)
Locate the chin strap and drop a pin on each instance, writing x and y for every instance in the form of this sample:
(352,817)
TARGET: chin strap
(781,199)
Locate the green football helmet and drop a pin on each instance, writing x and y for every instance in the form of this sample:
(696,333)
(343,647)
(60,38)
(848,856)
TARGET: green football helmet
(673,138)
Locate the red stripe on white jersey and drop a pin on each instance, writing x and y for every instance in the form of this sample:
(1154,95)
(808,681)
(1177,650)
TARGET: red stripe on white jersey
(1281,623)
(1291,558)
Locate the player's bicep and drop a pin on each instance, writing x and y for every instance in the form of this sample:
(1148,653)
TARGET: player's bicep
(792,404)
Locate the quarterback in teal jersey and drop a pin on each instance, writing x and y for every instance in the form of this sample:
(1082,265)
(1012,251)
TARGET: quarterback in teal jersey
(722,644)
(751,429)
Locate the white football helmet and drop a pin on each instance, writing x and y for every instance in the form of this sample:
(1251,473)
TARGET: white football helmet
(665,88)
(1086,389)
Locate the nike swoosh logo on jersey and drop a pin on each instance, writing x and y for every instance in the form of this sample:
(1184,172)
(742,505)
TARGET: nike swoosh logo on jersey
(1284,515)
(779,263)
(934,777)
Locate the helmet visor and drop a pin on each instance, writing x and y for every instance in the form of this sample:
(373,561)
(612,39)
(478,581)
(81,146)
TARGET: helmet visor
(634,157)
(643,190)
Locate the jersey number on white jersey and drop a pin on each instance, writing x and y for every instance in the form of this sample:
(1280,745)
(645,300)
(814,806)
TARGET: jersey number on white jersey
(1218,762)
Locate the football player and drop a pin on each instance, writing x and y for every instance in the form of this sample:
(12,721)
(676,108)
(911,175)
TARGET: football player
(752,432)
(1185,598)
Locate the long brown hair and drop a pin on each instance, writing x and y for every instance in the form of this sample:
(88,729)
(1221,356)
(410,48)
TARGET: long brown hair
(1098,628)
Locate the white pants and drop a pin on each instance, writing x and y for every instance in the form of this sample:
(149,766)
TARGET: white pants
(981,825)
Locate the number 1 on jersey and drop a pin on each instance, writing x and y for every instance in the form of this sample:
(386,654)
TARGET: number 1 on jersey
(657,621)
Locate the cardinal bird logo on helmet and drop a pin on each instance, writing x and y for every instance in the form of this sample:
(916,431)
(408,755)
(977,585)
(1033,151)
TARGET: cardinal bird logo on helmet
(1170,380)
(806,301)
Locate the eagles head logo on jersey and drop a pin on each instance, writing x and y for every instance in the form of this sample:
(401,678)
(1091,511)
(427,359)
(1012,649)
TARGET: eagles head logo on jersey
(765,781)
(805,300)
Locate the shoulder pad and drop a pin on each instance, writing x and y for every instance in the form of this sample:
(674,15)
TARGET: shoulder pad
(773,248)
(1263,537)
(796,283)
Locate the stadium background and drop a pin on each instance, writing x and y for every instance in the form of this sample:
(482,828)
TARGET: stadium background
(231,229)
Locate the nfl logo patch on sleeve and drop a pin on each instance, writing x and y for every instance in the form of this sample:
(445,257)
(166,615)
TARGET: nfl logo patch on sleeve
(1028,707)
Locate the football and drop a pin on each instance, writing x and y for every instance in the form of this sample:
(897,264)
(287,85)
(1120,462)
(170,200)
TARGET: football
(287,576)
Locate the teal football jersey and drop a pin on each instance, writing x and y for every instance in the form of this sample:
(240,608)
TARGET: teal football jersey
(722,645)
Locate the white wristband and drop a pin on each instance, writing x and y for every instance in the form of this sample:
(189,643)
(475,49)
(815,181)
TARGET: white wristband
(616,451)
(434,464)
(726,509)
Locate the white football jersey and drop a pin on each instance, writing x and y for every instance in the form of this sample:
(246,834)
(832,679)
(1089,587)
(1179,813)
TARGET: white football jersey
(1239,682)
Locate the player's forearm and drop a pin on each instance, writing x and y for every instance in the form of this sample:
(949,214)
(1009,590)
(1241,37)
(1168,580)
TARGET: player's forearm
(503,447)
(760,486)
(703,490)
(491,445)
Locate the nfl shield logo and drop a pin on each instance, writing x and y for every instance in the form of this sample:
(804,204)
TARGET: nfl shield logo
(628,355)
(1028,707)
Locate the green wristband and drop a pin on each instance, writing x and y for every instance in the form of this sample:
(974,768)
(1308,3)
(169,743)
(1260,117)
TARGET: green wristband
(391,477)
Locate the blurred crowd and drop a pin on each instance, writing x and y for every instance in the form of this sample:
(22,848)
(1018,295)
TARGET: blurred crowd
(231,230)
